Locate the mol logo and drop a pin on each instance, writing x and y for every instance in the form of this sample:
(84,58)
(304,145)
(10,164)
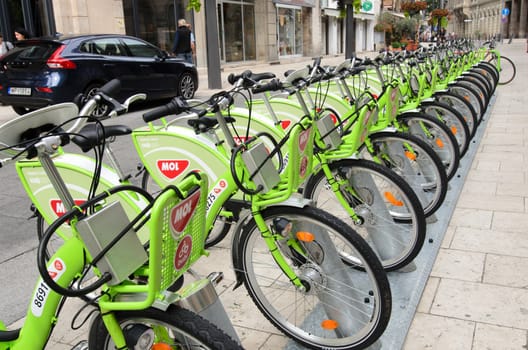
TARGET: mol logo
(303,139)
(182,212)
(57,206)
(172,168)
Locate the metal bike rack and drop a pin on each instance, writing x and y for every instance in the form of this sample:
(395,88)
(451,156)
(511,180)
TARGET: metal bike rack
(407,287)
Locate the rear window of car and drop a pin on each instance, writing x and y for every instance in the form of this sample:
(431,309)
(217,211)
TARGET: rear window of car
(38,52)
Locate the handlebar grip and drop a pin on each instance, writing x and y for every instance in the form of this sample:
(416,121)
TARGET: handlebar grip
(111,88)
(262,76)
(233,78)
(175,106)
(273,85)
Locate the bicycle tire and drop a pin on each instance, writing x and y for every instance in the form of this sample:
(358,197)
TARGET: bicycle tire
(480,83)
(491,69)
(487,73)
(484,77)
(481,93)
(437,135)
(411,230)
(454,121)
(507,70)
(416,162)
(470,95)
(462,106)
(303,315)
(221,226)
(184,327)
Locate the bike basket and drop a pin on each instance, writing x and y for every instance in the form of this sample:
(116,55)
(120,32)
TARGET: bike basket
(177,236)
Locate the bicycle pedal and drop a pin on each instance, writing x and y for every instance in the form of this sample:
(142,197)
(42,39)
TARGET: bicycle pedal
(82,345)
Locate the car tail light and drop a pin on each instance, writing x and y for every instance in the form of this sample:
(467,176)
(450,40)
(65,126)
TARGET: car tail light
(58,62)
(44,89)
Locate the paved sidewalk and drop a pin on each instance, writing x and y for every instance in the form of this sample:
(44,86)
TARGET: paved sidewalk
(476,296)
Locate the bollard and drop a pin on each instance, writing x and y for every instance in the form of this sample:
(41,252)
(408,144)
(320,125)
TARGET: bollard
(201,297)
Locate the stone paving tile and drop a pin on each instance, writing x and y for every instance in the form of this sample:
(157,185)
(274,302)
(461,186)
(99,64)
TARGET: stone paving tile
(448,236)
(465,217)
(515,177)
(491,202)
(480,187)
(490,337)
(479,302)
(491,241)
(499,156)
(511,189)
(487,165)
(503,139)
(428,295)
(506,270)
(509,222)
(439,333)
(459,264)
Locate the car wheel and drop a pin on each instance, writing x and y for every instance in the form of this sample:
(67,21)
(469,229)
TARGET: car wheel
(20,110)
(186,86)
(100,110)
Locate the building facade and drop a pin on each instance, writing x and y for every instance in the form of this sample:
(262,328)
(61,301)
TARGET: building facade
(248,30)
(487,18)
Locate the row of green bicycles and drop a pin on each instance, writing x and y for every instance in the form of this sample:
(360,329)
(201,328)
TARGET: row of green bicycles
(325,180)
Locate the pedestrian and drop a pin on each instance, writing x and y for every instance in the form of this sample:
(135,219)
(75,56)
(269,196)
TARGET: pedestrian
(182,47)
(21,34)
(193,44)
(5,46)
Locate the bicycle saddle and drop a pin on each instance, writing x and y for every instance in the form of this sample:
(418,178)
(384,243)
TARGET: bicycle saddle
(92,135)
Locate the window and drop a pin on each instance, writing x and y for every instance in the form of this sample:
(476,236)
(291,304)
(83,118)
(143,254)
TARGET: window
(290,30)
(141,49)
(236,20)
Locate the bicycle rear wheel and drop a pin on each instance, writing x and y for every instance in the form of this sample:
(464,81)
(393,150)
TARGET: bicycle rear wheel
(437,135)
(340,306)
(391,218)
(454,121)
(413,160)
(175,328)
(507,70)
(462,106)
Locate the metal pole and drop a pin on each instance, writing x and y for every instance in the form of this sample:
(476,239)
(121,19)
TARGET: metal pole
(213,50)
(350,44)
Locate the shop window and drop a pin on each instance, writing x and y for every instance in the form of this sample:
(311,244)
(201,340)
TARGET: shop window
(290,30)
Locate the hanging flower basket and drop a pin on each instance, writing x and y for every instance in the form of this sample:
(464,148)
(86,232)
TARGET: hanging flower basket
(412,8)
(439,17)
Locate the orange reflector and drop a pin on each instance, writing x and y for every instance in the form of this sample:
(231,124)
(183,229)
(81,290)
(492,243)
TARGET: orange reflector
(440,143)
(329,324)
(454,130)
(305,236)
(161,346)
(390,197)
(466,97)
(410,155)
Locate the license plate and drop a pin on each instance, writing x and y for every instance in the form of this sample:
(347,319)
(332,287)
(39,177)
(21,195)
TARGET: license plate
(19,91)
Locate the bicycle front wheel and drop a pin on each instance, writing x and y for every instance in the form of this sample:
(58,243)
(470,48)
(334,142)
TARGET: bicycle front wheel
(507,69)
(340,306)
(175,328)
(389,215)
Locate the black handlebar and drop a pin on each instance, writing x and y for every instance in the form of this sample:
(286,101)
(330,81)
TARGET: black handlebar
(175,106)
(272,85)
